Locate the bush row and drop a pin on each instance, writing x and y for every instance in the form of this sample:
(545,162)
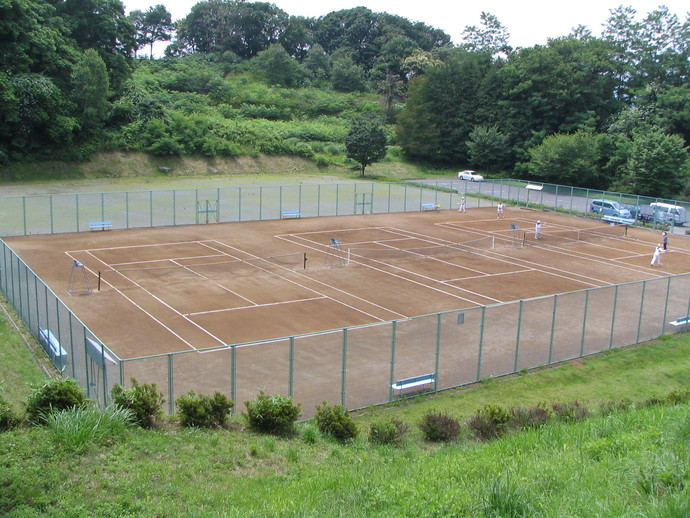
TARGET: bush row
(140,404)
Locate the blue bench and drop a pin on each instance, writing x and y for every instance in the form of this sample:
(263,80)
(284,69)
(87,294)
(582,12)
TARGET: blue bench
(50,344)
(100,225)
(430,206)
(413,382)
(290,214)
(681,321)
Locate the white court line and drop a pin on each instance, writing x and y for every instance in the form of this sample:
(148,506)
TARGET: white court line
(325,285)
(146,312)
(214,282)
(496,256)
(127,247)
(223,310)
(429,279)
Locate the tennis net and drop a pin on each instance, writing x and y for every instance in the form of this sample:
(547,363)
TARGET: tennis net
(583,234)
(412,254)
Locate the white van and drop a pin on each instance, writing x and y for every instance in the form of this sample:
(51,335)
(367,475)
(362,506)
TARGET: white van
(669,212)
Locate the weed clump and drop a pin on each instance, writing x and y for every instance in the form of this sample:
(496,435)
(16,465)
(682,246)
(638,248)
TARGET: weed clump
(490,422)
(391,432)
(570,412)
(439,427)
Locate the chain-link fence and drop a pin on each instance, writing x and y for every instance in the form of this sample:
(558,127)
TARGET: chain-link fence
(355,366)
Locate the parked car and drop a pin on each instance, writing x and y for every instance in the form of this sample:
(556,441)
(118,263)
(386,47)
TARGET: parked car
(609,208)
(674,213)
(470,175)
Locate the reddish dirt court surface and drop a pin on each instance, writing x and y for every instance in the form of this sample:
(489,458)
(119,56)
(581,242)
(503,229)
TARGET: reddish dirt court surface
(192,287)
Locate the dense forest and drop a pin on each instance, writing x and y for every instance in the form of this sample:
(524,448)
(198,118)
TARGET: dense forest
(244,78)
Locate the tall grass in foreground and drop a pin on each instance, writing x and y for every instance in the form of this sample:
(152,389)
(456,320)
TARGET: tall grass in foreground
(76,428)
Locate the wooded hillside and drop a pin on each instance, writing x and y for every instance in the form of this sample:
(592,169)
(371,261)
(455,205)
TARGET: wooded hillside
(246,78)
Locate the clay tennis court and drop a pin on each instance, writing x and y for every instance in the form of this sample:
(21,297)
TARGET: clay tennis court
(188,288)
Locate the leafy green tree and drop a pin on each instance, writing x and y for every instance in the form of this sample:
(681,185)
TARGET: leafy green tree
(318,63)
(558,88)
(488,148)
(416,131)
(366,143)
(90,91)
(567,159)
(658,162)
(346,76)
(103,26)
(245,28)
(153,25)
(491,37)
(276,67)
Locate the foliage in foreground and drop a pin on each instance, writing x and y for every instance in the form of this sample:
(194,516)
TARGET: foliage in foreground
(202,410)
(275,414)
(54,395)
(144,401)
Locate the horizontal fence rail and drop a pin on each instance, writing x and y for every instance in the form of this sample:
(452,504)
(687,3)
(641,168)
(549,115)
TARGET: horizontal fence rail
(359,366)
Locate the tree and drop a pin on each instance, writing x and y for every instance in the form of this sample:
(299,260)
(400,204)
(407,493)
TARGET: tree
(277,67)
(152,25)
(90,91)
(567,159)
(366,143)
(488,148)
(492,37)
(659,163)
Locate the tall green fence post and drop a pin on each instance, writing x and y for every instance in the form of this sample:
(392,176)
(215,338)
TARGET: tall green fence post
(481,344)
(391,374)
(668,293)
(343,369)
(233,376)
(517,337)
(171,390)
(438,350)
(639,319)
(553,327)
(613,315)
(50,208)
(291,363)
(584,324)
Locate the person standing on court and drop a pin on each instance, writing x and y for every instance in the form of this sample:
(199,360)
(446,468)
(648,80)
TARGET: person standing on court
(656,258)
(664,241)
(462,204)
(537,230)
(499,210)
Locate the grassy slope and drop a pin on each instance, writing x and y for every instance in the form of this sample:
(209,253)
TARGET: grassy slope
(607,466)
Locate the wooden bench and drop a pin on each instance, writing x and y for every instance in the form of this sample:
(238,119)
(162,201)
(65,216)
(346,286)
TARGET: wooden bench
(430,206)
(290,214)
(413,382)
(50,344)
(100,225)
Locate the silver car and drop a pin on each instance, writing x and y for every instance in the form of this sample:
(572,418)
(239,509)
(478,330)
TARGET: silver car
(470,175)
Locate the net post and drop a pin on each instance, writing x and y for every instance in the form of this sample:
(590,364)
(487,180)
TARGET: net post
(99,280)
(305,261)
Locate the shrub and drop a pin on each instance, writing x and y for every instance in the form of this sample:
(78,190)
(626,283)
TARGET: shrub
(677,397)
(530,417)
(275,414)
(490,422)
(54,395)
(388,432)
(8,417)
(336,422)
(143,400)
(202,410)
(570,412)
(75,428)
(438,427)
